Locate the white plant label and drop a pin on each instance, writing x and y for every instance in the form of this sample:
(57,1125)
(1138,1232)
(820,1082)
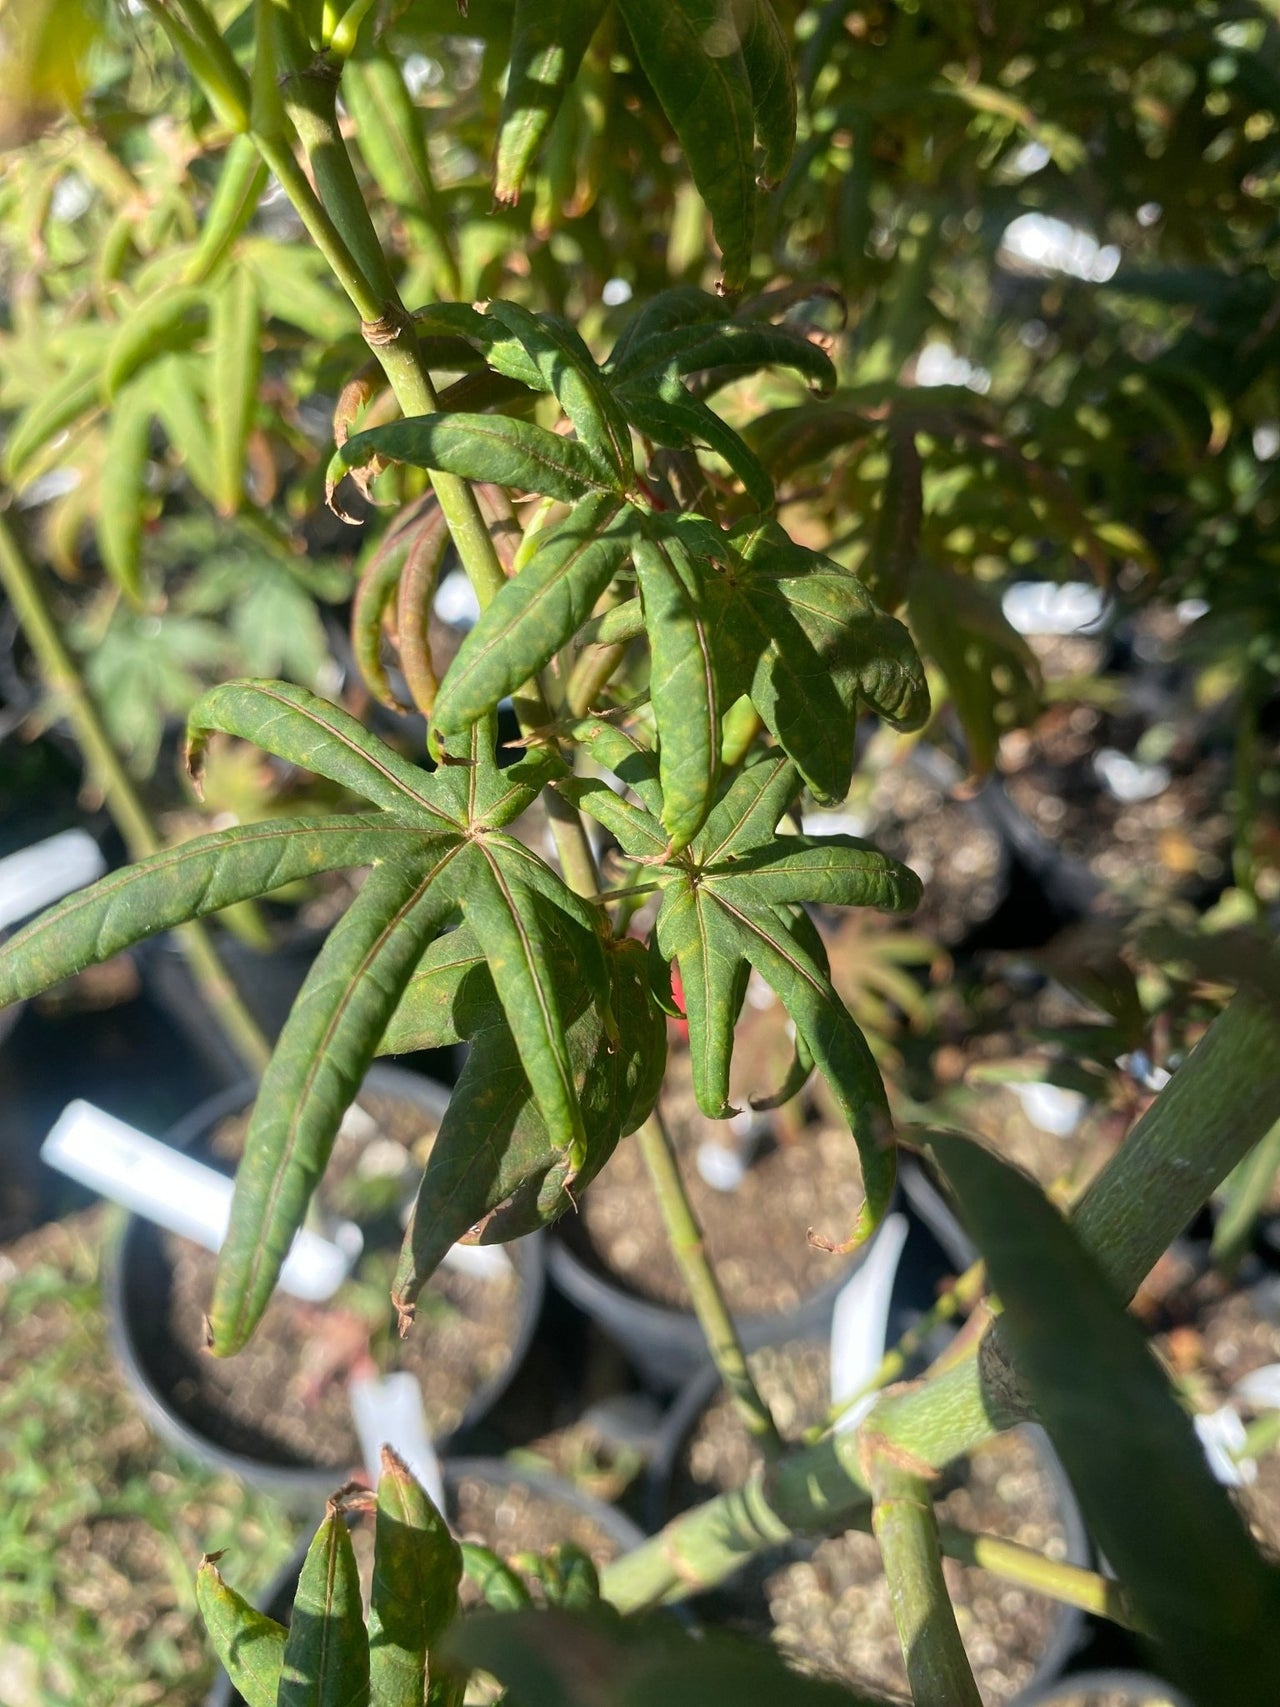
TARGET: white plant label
(37,876)
(387,1411)
(181,1195)
(860,1321)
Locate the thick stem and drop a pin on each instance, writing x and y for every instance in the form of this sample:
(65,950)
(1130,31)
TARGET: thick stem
(689,1250)
(938,1668)
(962,1295)
(63,679)
(1219,1104)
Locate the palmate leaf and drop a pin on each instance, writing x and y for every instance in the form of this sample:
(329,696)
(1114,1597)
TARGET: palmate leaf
(437,852)
(497,1168)
(733,900)
(799,634)
(1168,1530)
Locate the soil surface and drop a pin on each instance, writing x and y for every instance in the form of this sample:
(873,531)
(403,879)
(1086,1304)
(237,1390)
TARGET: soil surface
(1109,1698)
(515,1518)
(946,842)
(756,1235)
(1214,1336)
(827,1603)
(284,1397)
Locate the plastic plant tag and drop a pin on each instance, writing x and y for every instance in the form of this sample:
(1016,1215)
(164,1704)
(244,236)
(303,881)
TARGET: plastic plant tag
(1045,607)
(860,1321)
(484,1262)
(1222,1434)
(387,1411)
(1051,1107)
(1260,1388)
(37,876)
(180,1194)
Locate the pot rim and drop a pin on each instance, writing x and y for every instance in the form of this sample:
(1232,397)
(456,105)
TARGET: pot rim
(1068,1630)
(302,1484)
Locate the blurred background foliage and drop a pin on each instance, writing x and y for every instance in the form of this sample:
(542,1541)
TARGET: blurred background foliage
(1044,242)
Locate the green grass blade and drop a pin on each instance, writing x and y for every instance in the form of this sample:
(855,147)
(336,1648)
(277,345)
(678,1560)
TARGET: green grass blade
(189,882)
(324,1051)
(309,732)
(515,454)
(689,52)
(326,1657)
(537,612)
(417,1566)
(249,1645)
(1196,1581)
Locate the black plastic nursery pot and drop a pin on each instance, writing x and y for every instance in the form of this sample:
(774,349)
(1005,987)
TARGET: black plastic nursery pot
(1107,1689)
(817,1602)
(168,1371)
(602,1529)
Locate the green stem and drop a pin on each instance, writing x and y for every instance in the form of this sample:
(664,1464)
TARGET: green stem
(1246,1192)
(938,1668)
(63,679)
(689,1250)
(963,1294)
(1218,1105)
(1261,1435)
(342,230)
(1072,1585)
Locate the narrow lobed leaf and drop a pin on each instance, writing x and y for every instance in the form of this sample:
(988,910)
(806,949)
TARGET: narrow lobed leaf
(249,1645)
(323,1053)
(538,611)
(190,881)
(417,1566)
(326,1655)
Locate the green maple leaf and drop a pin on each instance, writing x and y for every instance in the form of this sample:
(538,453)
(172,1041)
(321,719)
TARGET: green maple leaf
(437,852)
(734,900)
